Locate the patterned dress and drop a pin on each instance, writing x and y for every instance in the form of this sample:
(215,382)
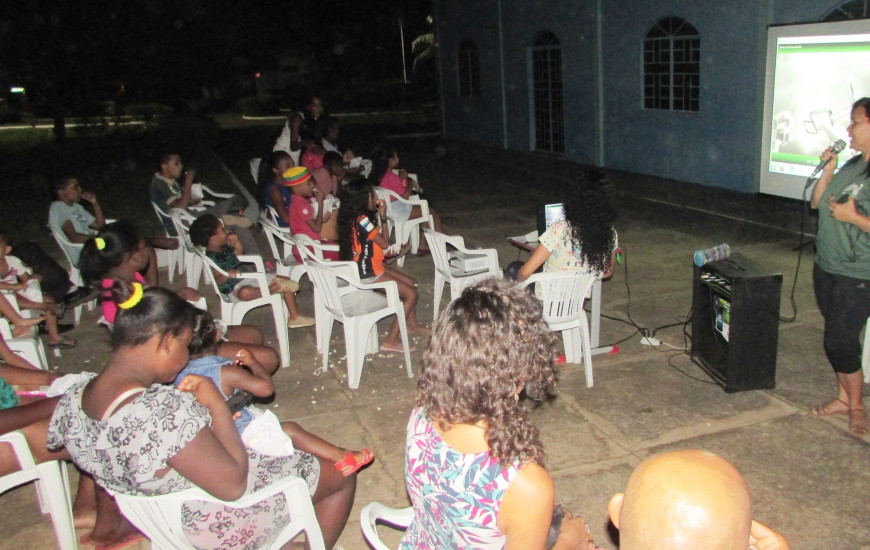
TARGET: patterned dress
(125,452)
(456,496)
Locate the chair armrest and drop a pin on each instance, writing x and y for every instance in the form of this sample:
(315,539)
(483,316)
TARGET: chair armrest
(206,189)
(253,259)
(20,448)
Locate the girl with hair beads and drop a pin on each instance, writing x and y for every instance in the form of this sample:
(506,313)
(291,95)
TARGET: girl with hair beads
(473,459)
(360,240)
(245,375)
(118,253)
(138,435)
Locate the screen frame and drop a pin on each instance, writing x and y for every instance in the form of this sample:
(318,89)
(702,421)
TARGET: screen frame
(787,185)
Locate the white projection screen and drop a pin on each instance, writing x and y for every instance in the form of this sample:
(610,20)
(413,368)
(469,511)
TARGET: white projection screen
(814,74)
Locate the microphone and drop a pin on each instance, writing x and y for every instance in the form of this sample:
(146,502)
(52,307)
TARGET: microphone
(837,147)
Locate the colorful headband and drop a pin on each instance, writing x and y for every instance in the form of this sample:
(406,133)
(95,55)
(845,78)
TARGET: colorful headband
(134,298)
(101,244)
(295,176)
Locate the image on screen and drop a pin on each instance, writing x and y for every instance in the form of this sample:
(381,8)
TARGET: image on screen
(814,74)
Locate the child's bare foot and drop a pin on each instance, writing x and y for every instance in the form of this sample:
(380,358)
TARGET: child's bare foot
(395,347)
(354,460)
(837,406)
(23,326)
(858,425)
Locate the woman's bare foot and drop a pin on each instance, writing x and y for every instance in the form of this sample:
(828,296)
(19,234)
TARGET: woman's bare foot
(858,425)
(837,406)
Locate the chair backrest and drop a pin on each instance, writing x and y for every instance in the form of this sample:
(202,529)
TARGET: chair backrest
(274,234)
(255,169)
(562,293)
(326,277)
(181,220)
(159,517)
(438,246)
(165,220)
(308,246)
(66,246)
(210,268)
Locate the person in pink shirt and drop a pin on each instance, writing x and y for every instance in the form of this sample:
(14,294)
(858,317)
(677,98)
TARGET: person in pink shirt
(307,215)
(386,160)
(312,157)
(328,177)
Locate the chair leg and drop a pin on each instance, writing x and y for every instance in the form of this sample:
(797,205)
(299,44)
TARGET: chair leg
(587,349)
(279,312)
(437,291)
(55,500)
(324,335)
(356,353)
(403,332)
(865,358)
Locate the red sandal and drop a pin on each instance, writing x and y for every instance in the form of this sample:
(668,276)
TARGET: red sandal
(350,462)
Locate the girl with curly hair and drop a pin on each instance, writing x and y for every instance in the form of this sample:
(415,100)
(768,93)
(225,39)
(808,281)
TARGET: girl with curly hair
(585,240)
(360,240)
(473,460)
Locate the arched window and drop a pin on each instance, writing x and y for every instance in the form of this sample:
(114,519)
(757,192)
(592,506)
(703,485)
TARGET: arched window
(848,11)
(672,66)
(547,93)
(468,64)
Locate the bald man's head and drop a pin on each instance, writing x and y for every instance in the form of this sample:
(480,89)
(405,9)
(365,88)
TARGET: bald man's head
(683,500)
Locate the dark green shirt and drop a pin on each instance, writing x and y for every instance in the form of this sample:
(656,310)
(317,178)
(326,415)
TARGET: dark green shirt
(844,248)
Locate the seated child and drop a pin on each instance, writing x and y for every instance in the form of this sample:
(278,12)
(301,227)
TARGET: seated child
(307,214)
(208,231)
(18,278)
(244,373)
(360,240)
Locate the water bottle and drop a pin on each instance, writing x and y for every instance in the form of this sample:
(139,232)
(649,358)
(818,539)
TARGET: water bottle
(718,252)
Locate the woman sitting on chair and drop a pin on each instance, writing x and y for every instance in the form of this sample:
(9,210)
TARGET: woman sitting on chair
(139,435)
(585,240)
(473,460)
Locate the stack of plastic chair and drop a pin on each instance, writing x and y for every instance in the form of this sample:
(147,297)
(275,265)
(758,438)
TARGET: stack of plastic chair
(190,262)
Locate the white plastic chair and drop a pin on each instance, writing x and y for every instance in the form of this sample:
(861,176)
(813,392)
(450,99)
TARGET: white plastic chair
(29,346)
(405,231)
(190,262)
(170,259)
(458,279)
(359,308)
(52,487)
(285,263)
(255,169)
(75,275)
(232,313)
(159,517)
(375,512)
(563,294)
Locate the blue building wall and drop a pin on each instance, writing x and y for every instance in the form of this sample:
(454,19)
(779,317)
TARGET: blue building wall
(717,146)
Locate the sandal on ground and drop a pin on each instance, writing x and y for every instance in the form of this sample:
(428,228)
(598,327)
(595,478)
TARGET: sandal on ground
(823,410)
(63,343)
(349,465)
(859,429)
(395,349)
(300,322)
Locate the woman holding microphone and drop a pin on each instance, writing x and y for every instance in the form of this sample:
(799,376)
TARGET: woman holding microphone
(841,275)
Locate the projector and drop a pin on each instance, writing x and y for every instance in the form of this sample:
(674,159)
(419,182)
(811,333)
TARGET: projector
(465,263)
